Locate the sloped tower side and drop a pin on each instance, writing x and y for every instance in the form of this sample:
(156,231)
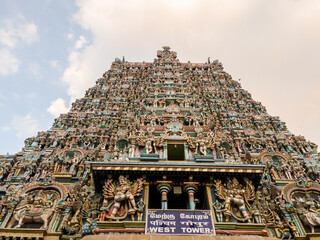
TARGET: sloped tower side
(180,138)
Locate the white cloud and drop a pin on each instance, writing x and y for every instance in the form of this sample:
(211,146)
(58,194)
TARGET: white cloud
(17,30)
(273,46)
(16,96)
(6,128)
(35,70)
(54,64)
(57,107)
(8,62)
(2,96)
(80,43)
(13,32)
(31,95)
(70,36)
(24,126)
(78,75)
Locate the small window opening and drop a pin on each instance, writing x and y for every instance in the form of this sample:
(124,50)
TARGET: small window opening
(176,152)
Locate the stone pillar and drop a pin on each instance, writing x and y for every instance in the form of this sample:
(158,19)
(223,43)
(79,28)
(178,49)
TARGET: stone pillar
(164,187)
(7,218)
(186,148)
(165,151)
(54,224)
(191,188)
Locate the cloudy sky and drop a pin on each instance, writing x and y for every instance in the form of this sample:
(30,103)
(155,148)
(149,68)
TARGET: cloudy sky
(51,51)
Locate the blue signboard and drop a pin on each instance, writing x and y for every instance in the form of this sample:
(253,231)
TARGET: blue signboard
(181,222)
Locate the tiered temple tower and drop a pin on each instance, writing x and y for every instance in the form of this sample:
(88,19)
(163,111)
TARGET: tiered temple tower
(162,148)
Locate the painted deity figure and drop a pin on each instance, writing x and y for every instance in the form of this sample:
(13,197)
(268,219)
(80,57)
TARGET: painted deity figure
(235,197)
(256,214)
(122,192)
(36,207)
(201,145)
(152,144)
(218,207)
(308,211)
(141,206)
(203,148)
(148,146)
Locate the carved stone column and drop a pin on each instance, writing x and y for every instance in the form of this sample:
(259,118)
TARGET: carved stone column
(165,151)
(186,153)
(164,187)
(191,188)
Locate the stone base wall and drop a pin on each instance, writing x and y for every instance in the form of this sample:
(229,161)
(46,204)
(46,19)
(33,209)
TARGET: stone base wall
(172,237)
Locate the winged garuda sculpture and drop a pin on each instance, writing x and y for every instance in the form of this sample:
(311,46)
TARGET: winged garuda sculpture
(122,193)
(236,198)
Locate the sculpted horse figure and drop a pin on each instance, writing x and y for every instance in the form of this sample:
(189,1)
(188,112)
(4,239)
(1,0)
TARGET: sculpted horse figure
(37,208)
(308,213)
(311,219)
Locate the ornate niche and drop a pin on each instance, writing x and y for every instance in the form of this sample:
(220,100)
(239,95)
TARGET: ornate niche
(36,205)
(281,168)
(123,200)
(25,167)
(236,207)
(233,202)
(6,163)
(69,163)
(149,146)
(203,147)
(123,149)
(78,212)
(303,204)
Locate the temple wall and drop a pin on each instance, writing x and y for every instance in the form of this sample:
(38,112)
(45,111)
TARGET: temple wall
(168,237)
(162,148)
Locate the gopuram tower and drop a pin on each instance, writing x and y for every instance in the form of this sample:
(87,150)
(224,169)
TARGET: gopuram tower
(161,149)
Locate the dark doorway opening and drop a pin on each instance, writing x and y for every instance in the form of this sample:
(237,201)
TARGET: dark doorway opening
(176,152)
(181,201)
(201,198)
(154,198)
(177,201)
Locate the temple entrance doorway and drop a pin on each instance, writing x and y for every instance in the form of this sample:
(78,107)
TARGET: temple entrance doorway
(177,201)
(177,198)
(176,152)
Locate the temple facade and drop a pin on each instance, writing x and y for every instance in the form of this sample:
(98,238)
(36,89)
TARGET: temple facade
(164,149)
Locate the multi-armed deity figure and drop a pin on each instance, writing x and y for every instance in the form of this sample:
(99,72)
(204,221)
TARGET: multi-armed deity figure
(122,192)
(235,196)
